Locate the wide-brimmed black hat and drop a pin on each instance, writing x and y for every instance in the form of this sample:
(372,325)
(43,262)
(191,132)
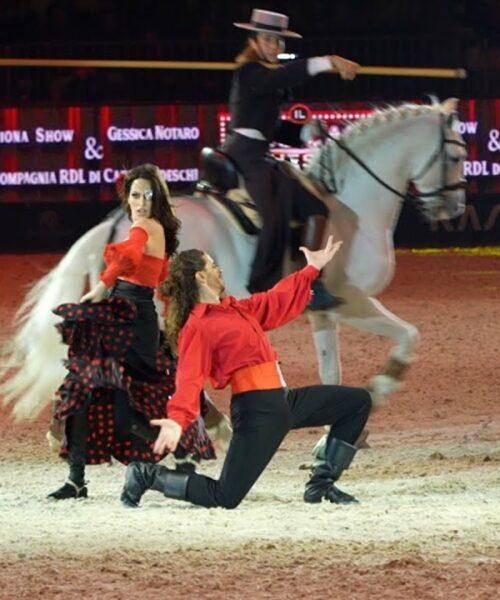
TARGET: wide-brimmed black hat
(265,21)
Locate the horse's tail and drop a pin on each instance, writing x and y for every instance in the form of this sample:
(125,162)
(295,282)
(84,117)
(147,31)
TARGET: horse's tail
(32,359)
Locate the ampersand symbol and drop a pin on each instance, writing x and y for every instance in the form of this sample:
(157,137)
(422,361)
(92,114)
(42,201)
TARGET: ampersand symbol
(92,150)
(494,144)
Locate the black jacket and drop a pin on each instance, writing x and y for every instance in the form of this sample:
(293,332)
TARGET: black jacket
(257,92)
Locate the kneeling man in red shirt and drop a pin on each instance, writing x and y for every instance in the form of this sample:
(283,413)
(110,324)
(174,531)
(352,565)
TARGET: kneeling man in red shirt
(222,339)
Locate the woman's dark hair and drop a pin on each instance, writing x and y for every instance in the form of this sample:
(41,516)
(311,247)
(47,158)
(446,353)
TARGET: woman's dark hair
(248,54)
(181,289)
(161,209)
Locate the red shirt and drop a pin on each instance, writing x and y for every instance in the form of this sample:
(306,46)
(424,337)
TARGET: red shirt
(219,339)
(127,260)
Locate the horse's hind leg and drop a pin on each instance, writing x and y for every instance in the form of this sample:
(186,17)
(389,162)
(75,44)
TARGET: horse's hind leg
(366,314)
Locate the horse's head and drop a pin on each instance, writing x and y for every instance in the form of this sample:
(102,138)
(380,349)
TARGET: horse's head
(439,183)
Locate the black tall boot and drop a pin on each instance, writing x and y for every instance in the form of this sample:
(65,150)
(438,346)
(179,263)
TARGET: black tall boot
(324,474)
(141,477)
(313,239)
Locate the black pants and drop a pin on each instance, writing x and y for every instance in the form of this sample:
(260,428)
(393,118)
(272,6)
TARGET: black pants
(261,419)
(278,199)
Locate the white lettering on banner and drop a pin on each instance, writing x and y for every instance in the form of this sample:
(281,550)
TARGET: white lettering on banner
(129,134)
(50,136)
(14,136)
(109,175)
(175,175)
(94,176)
(159,132)
(464,127)
(83,177)
(71,176)
(171,175)
(493,143)
(28,178)
(93,150)
(176,133)
(473,168)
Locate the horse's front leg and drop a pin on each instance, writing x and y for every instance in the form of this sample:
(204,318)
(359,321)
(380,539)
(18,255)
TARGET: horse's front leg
(326,342)
(368,314)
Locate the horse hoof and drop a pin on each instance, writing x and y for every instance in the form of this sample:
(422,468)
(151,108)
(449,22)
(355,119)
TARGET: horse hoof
(54,443)
(361,443)
(381,385)
(221,434)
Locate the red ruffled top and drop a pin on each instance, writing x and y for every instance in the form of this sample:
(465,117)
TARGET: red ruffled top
(127,260)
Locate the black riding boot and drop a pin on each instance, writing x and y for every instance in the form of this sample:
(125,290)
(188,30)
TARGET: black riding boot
(313,239)
(148,476)
(324,474)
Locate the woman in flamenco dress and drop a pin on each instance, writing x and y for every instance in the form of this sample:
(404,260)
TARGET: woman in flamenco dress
(119,374)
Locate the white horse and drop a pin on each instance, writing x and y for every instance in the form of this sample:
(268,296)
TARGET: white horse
(378,159)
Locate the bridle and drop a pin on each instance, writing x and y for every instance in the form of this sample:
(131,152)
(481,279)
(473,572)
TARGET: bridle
(439,153)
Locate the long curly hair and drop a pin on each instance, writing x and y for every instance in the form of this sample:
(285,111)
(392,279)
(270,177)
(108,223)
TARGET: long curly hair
(161,209)
(182,291)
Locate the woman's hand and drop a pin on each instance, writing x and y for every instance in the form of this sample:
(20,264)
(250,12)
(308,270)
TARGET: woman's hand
(347,69)
(319,258)
(96,294)
(169,436)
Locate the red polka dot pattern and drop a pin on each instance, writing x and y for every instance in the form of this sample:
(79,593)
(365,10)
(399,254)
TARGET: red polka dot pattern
(98,336)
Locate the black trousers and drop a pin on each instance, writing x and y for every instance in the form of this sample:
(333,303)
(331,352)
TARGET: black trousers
(261,419)
(278,199)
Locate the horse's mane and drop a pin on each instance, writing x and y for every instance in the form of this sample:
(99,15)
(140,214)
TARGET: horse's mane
(382,116)
(329,154)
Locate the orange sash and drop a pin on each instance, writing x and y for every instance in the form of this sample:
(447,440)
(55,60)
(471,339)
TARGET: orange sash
(266,376)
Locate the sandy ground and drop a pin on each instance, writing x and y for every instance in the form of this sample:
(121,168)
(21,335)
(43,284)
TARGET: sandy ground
(428,525)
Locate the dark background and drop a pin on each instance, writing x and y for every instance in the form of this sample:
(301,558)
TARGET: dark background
(444,33)
(448,33)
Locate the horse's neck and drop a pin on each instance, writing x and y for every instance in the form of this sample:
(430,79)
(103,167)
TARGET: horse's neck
(368,212)
(391,152)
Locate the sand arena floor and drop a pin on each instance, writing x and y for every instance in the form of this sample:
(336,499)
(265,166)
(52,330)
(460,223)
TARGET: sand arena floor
(428,525)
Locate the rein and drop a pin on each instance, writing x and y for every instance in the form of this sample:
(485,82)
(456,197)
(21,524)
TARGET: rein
(438,153)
